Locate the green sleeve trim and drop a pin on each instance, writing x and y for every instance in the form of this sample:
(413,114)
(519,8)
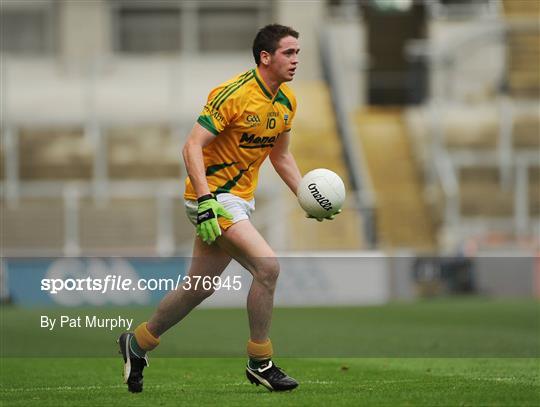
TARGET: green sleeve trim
(206,122)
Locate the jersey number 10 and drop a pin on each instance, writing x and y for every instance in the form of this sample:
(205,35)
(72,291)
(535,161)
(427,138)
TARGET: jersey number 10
(271,123)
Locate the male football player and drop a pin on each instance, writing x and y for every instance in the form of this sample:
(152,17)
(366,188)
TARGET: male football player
(244,120)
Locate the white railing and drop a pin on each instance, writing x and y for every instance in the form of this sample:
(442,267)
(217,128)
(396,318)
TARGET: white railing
(109,93)
(72,192)
(271,216)
(513,165)
(352,151)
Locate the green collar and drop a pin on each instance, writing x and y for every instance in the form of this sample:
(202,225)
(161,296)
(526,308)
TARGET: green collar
(262,85)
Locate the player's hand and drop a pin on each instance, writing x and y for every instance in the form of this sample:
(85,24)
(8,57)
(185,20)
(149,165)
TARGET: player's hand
(207,218)
(329,217)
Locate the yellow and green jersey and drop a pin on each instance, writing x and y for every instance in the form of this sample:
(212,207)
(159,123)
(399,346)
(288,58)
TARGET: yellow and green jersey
(247,121)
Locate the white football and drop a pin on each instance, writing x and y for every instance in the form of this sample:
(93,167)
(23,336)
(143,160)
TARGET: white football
(321,193)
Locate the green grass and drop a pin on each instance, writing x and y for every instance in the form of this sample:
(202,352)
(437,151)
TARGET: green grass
(330,382)
(466,327)
(452,352)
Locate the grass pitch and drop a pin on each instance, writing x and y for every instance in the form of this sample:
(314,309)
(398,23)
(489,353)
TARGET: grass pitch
(329,382)
(457,352)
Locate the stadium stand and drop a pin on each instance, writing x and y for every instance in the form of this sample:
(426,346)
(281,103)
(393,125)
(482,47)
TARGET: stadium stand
(144,152)
(398,183)
(523,48)
(144,105)
(316,144)
(490,138)
(34,226)
(128,225)
(54,154)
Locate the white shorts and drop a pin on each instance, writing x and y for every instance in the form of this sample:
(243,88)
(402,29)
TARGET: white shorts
(239,208)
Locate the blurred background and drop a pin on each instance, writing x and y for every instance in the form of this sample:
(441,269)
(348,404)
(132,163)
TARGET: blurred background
(429,111)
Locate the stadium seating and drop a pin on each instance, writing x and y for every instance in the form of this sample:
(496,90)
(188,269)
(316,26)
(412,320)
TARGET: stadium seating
(122,224)
(472,131)
(402,219)
(52,159)
(54,154)
(148,152)
(523,48)
(34,226)
(472,135)
(139,120)
(148,155)
(316,144)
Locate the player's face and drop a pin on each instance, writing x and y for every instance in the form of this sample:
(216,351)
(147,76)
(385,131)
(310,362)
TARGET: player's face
(284,61)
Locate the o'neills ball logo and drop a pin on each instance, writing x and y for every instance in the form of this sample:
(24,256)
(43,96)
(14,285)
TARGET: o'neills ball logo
(321,199)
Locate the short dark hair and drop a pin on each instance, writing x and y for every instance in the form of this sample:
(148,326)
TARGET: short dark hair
(268,37)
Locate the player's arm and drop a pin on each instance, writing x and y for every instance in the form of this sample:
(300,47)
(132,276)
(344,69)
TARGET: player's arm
(193,158)
(284,162)
(209,208)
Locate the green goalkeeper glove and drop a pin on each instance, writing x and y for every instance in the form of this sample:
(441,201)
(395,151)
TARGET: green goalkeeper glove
(207,223)
(329,217)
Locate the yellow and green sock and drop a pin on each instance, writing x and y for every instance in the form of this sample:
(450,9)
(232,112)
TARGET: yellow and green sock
(259,353)
(142,341)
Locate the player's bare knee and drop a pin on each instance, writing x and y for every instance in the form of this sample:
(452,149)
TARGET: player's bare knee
(267,273)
